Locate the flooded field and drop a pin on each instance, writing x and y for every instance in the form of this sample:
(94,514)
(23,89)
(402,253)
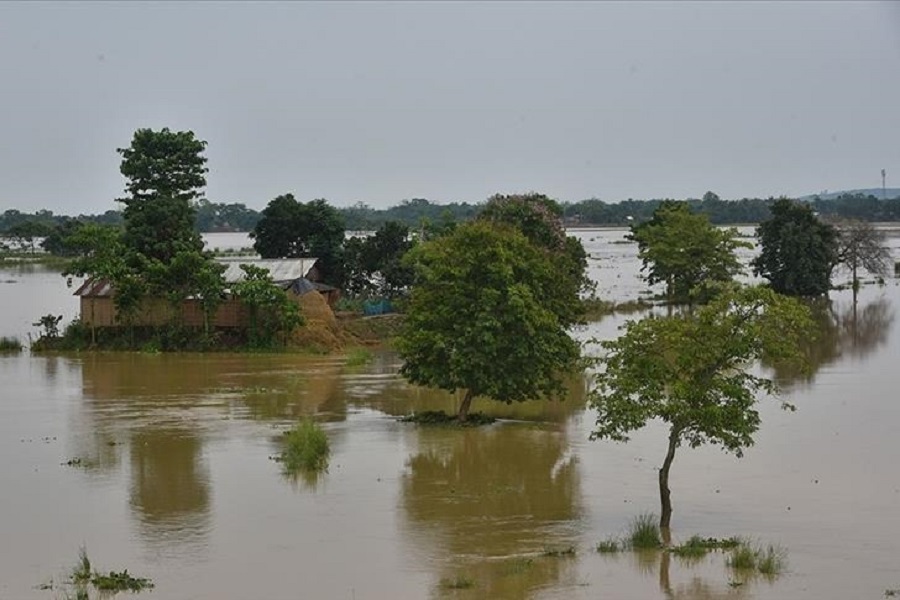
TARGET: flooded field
(171,475)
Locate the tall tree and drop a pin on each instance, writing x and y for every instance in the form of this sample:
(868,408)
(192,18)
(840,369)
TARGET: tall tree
(478,318)
(539,219)
(165,172)
(374,264)
(291,229)
(694,372)
(683,250)
(797,251)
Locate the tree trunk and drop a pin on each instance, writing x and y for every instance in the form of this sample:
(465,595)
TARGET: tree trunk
(463,413)
(665,497)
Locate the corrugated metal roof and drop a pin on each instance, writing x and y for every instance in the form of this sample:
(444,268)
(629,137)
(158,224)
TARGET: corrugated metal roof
(281,269)
(94,287)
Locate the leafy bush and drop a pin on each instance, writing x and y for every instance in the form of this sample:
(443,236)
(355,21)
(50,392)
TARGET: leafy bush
(306,448)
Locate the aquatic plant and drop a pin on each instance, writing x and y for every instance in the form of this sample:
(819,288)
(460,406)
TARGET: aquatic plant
(439,417)
(460,582)
(306,448)
(358,357)
(120,582)
(643,532)
(609,546)
(559,552)
(698,546)
(770,561)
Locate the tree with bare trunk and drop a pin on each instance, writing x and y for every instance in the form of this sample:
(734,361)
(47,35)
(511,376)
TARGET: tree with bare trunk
(861,246)
(693,371)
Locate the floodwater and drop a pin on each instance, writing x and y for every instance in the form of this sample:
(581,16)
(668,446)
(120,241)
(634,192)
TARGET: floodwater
(176,482)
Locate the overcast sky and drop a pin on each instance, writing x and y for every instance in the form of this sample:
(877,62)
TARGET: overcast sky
(380,102)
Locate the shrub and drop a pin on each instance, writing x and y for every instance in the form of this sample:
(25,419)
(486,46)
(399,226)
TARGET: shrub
(306,448)
(643,532)
(10,344)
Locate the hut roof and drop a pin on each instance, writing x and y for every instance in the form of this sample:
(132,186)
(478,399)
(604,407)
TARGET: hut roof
(280,269)
(94,287)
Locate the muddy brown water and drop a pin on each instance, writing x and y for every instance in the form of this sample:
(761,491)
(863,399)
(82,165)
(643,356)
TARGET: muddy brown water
(176,482)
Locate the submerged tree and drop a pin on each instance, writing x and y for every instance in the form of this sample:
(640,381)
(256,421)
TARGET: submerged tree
(693,371)
(479,319)
(861,246)
(683,250)
(797,251)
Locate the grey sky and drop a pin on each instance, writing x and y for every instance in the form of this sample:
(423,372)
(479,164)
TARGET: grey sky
(379,102)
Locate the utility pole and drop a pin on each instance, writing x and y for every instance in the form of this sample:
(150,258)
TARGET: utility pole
(883,187)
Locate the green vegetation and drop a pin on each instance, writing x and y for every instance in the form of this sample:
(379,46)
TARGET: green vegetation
(10,344)
(643,532)
(84,575)
(460,582)
(686,252)
(478,293)
(358,357)
(273,316)
(439,417)
(797,251)
(892,592)
(609,546)
(291,229)
(306,448)
(559,552)
(770,561)
(595,309)
(693,371)
(374,265)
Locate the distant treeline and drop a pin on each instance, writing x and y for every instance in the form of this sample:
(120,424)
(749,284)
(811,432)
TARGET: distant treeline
(212,216)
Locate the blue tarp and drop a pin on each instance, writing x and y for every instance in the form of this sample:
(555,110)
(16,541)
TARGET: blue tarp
(377,307)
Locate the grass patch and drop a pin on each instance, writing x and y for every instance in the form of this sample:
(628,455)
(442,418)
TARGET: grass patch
(697,547)
(643,532)
(609,546)
(358,357)
(120,582)
(595,308)
(770,561)
(10,344)
(439,417)
(82,571)
(517,566)
(559,552)
(306,448)
(460,582)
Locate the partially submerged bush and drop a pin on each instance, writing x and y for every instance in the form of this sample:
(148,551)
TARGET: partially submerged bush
(306,448)
(439,417)
(643,532)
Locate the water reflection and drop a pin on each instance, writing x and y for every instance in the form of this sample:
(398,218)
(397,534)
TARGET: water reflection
(488,501)
(170,487)
(845,330)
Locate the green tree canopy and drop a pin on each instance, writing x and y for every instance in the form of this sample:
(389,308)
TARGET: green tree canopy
(683,250)
(478,319)
(797,251)
(539,219)
(165,172)
(694,372)
(291,229)
(375,264)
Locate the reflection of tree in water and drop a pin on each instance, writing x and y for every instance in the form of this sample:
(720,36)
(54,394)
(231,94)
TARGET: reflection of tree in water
(170,487)
(485,497)
(845,330)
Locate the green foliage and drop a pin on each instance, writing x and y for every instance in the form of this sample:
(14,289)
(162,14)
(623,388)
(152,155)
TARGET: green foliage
(24,233)
(306,448)
(770,561)
(538,218)
(374,265)
(10,344)
(686,252)
(291,229)
(460,582)
(82,571)
(480,292)
(439,417)
(273,316)
(120,582)
(609,546)
(643,532)
(693,371)
(797,251)
(165,173)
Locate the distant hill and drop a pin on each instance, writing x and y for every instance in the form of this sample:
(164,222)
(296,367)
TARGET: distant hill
(826,195)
